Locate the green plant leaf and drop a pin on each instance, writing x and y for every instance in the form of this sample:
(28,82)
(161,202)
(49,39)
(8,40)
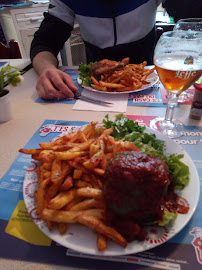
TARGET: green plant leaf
(9,74)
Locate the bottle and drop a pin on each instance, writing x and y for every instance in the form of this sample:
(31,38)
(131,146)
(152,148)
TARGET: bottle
(196,107)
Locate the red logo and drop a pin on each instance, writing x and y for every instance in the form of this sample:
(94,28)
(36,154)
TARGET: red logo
(197,242)
(45,130)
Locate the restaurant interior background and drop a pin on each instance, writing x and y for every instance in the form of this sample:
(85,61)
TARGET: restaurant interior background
(22,18)
(35,120)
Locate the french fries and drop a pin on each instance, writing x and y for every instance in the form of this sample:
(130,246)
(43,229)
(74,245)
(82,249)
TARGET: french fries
(97,225)
(132,77)
(70,180)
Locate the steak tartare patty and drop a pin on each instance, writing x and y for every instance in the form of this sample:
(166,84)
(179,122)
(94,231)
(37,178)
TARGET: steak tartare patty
(136,188)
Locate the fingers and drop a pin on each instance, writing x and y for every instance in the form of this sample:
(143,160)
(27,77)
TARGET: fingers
(46,90)
(61,87)
(68,81)
(55,92)
(55,84)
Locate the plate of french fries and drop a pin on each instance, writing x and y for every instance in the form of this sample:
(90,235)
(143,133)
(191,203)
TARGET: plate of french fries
(133,78)
(63,192)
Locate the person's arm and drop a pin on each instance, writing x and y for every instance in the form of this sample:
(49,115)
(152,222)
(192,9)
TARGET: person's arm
(53,83)
(47,43)
(44,60)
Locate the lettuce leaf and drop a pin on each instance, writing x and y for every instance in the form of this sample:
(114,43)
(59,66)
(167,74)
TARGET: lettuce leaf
(122,126)
(179,170)
(147,143)
(167,218)
(84,74)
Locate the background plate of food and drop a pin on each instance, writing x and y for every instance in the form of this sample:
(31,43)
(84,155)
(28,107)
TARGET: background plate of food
(114,77)
(66,188)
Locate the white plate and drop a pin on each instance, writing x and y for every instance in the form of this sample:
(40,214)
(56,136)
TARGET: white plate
(83,239)
(152,79)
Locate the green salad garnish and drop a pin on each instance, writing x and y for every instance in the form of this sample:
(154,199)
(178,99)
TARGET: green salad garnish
(167,217)
(122,126)
(84,74)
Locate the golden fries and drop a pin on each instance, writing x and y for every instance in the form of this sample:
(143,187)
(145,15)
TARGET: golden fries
(101,242)
(132,77)
(70,179)
(41,201)
(97,225)
(62,227)
(60,216)
(94,80)
(86,204)
(111,85)
(62,199)
(89,192)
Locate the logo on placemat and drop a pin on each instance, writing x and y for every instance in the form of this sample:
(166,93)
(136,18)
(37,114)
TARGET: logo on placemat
(197,242)
(46,129)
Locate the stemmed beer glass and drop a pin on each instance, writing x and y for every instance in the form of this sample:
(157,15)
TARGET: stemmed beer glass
(178,61)
(188,24)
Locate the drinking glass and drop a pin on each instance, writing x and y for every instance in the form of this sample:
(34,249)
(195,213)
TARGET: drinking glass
(178,61)
(188,24)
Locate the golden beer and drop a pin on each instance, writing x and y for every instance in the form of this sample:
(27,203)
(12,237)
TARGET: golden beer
(178,61)
(175,75)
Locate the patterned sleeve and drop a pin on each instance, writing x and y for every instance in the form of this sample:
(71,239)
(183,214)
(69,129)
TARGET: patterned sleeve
(51,35)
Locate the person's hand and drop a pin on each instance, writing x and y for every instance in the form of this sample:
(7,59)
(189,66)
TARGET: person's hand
(55,84)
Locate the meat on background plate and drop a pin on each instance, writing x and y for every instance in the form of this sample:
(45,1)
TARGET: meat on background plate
(106,66)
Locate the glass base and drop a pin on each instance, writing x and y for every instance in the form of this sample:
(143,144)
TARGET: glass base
(170,129)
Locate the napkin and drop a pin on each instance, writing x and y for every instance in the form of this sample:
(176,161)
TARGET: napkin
(22,226)
(119,102)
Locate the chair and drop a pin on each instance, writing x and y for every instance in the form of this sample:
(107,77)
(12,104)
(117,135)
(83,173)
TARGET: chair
(163,27)
(159,32)
(12,51)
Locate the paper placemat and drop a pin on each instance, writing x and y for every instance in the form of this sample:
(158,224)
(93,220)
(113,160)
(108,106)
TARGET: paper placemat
(74,76)
(181,252)
(2,64)
(148,97)
(151,97)
(2,6)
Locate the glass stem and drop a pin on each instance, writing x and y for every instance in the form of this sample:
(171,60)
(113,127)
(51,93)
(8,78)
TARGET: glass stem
(172,103)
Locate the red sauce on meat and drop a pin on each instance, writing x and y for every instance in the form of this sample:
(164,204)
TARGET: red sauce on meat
(137,189)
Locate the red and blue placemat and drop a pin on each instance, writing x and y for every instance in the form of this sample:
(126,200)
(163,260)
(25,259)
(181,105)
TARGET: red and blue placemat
(148,97)
(181,252)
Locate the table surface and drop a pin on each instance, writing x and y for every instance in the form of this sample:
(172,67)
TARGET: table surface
(27,118)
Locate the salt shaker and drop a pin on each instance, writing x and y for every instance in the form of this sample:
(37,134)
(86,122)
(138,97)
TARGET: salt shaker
(196,107)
